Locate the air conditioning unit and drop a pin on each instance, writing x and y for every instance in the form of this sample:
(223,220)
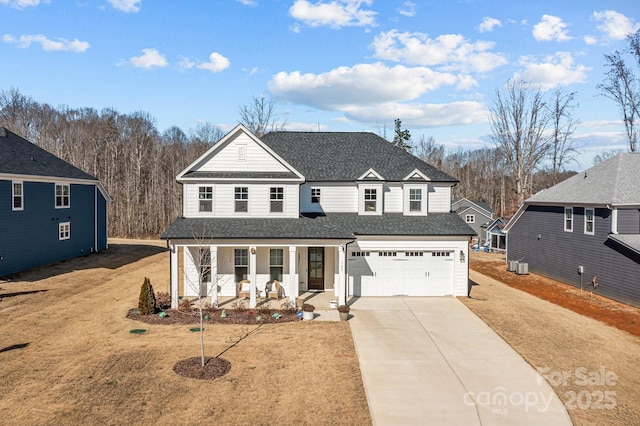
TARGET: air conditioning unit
(513,265)
(522,269)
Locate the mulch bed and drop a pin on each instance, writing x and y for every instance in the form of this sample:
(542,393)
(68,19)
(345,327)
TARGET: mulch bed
(192,368)
(214,316)
(615,314)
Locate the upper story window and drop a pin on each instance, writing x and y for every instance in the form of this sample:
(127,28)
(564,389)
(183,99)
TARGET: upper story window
(568,219)
(588,221)
(205,198)
(470,218)
(370,199)
(276,195)
(276,263)
(62,196)
(315,195)
(64,230)
(415,200)
(241,199)
(17,196)
(241,264)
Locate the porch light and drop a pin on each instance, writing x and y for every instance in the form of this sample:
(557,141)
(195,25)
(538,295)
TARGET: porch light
(461,256)
(253,250)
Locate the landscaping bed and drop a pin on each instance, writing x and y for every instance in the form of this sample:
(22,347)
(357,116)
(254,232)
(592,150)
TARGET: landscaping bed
(216,316)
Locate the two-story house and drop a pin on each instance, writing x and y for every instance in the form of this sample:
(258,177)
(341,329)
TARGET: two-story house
(318,211)
(49,210)
(477,214)
(585,231)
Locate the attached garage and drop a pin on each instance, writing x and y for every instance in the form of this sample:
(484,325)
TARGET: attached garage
(406,273)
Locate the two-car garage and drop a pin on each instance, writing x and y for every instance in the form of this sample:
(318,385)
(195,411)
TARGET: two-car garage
(407,273)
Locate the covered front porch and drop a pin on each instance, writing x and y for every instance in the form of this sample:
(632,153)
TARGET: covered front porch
(223,271)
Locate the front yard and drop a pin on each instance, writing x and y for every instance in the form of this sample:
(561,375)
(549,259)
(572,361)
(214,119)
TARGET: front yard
(67,355)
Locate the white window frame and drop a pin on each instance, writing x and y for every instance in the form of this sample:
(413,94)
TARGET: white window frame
(592,221)
(415,196)
(276,197)
(240,260)
(275,265)
(470,218)
(569,219)
(370,195)
(62,196)
(315,195)
(241,196)
(15,196)
(205,197)
(64,231)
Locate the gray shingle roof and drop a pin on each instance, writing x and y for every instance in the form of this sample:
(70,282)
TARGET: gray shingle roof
(21,157)
(345,156)
(631,241)
(240,175)
(330,226)
(614,181)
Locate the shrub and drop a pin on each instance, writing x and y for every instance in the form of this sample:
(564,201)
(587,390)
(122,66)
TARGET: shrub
(163,300)
(147,299)
(185,305)
(307,307)
(344,309)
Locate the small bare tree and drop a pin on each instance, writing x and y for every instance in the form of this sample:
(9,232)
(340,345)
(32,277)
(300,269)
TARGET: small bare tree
(520,123)
(260,116)
(562,150)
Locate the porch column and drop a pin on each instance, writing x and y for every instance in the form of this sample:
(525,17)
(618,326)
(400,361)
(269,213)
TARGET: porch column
(342,261)
(293,275)
(173,284)
(253,277)
(214,275)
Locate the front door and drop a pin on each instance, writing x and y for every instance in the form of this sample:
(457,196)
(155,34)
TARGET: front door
(316,268)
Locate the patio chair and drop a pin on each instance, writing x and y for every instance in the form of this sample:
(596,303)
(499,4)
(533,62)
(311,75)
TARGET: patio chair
(244,289)
(273,289)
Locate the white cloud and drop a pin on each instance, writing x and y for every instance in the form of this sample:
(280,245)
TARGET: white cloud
(614,24)
(590,40)
(150,58)
(126,6)
(407,9)
(451,51)
(551,28)
(488,24)
(556,70)
(248,2)
(186,63)
(335,14)
(61,44)
(21,4)
(216,63)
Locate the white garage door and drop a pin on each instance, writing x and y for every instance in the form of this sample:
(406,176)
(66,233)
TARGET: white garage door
(392,273)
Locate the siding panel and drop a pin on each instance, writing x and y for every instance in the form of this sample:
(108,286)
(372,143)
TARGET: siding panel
(629,221)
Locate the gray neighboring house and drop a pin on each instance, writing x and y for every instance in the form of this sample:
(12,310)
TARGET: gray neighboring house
(495,235)
(476,214)
(585,231)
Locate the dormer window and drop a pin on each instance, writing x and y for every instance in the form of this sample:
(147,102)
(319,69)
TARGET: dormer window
(415,200)
(315,195)
(370,200)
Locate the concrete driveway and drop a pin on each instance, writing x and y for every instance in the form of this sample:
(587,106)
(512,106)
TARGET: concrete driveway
(432,361)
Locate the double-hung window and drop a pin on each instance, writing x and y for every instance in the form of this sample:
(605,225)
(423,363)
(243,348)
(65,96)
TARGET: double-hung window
(241,199)
(17,196)
(315,195)
(62,196)
(64,230)
(276,197)
(241,264)
(370,199)
(415,200)
(589,221)
(205,198)
(276,264)
(568,219)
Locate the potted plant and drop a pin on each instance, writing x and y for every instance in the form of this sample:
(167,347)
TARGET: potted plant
(343,311)
(307,311)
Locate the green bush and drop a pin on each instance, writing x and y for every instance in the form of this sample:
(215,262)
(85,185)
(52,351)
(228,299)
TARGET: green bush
(147,299)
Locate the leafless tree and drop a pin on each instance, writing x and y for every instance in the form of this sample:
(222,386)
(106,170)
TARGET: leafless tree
(429,151)
(520,123)
(260,116)
(605,155)
(563,149)
(621,85)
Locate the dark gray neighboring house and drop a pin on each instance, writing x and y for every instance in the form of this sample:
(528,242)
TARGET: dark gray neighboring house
(585,231)
(476,214)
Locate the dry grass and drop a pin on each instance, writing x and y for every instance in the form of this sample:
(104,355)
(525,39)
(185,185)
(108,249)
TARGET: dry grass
(67,357)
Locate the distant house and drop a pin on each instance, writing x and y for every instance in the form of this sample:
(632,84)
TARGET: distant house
(585,231)
(342,212)
(49,209)
(475,213)
(495,236)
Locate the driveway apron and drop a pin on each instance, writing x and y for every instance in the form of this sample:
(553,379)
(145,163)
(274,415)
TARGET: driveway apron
(431,361)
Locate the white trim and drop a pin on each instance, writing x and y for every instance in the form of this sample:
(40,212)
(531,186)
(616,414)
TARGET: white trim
(68,196)
(54,179)
(470,218)
(370,173)
(64,231)
(564,219)
(283,200)
(13,195)
(478,208)
(593,220)
(416,172)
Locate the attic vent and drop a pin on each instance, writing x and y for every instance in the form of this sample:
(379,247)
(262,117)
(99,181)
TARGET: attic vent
(3,132)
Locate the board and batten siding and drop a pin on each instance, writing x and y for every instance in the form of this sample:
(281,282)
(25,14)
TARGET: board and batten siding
(628,221)
(30,237)
(224,202)
(229,159)
(538,238)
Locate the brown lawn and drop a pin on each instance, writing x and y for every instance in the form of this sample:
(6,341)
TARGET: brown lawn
(587,346)
(67,355)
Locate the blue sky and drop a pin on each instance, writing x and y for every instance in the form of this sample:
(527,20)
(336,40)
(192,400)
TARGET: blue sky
(333,65)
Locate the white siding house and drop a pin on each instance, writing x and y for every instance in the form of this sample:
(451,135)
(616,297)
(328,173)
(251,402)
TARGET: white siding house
(309,210)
